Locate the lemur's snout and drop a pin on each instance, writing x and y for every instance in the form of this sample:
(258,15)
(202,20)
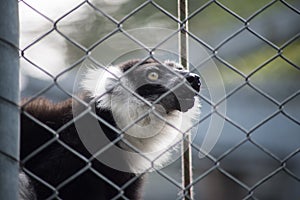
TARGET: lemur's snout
(194,80)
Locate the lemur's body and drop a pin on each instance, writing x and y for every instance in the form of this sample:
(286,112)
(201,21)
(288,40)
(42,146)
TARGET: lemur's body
(64,155)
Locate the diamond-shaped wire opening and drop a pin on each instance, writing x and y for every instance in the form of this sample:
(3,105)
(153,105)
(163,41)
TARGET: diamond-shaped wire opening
(43,180)
(273,187)
(232,79)
(230,137)
(88,22)
(254,106)
(116,49)
(149,16)
(284,138)
(216,185)
(238,51)
(214,32)
(255,164)
(32,25)
(170,189)
(35,78)
(277,79)
(53,45)
(272,23)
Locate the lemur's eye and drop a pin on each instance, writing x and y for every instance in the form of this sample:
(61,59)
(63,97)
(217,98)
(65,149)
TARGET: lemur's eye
(153,76)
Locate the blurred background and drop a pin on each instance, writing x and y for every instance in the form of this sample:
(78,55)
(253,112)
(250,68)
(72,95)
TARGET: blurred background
(255,46)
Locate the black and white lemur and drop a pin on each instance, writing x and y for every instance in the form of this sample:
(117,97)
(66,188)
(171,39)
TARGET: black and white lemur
(160,97)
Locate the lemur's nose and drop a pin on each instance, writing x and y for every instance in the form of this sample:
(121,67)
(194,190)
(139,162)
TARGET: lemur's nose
(194,80)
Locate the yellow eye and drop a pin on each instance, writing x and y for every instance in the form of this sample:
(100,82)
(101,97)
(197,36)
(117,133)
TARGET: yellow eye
(153,76)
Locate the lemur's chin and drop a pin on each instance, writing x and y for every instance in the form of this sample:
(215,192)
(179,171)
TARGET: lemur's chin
(171,103)
(185,104)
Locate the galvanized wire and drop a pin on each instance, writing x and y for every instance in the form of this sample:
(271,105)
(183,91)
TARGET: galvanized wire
(247,82)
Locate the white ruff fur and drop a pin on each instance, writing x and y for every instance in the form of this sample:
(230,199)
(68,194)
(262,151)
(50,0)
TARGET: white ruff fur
(154,137)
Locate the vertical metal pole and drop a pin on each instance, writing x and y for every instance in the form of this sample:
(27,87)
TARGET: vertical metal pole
(187,176)
(183,37)
(9,98)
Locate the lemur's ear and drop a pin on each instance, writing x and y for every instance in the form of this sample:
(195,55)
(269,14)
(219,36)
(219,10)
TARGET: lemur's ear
(99,81)
(110,83)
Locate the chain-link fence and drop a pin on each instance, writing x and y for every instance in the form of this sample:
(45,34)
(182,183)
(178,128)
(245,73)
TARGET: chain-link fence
(251,51)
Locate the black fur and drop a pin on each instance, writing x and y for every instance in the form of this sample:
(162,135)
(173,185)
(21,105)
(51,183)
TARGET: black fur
(59,160)
(55,163)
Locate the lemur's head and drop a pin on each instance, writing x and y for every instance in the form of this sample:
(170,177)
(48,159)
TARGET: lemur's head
(152,103)
(144,83)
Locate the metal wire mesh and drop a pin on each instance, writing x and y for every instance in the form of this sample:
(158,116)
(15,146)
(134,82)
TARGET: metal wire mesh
(204,173)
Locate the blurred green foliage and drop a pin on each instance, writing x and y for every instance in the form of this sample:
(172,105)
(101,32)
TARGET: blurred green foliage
(212,25)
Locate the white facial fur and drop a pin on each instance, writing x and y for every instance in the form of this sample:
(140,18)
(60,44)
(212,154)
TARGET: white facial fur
(151,135)
(99,82)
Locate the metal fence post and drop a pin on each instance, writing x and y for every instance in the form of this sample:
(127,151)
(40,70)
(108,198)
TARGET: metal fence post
(9,98)
(187,173)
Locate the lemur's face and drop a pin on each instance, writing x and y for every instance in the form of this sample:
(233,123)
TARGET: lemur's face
(153,103)
(165,84)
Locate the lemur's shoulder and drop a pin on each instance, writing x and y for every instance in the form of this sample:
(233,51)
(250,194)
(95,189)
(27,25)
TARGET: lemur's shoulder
(45,109)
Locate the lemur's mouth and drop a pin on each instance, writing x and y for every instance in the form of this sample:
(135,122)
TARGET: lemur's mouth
(181,99)
(151,92)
